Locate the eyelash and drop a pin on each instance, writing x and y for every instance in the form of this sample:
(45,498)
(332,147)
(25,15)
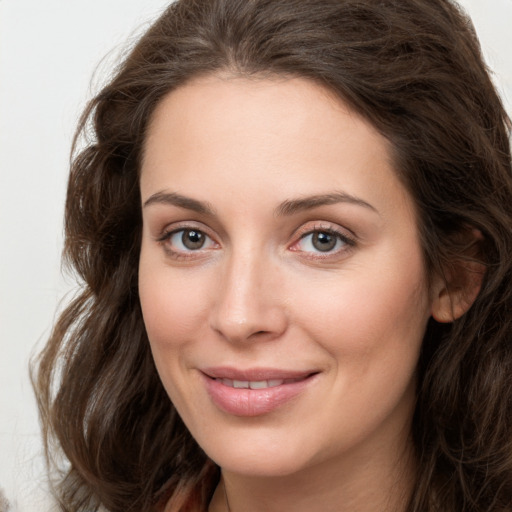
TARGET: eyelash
(348,242)
(167,235)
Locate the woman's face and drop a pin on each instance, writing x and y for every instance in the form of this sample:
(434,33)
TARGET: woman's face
(281,276)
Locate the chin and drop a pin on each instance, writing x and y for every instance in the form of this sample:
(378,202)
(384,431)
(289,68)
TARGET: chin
(259,458)
(271,466)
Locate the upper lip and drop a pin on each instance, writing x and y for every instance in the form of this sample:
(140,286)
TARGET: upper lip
(254,374)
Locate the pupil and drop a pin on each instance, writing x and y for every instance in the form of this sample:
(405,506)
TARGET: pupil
(192,239)
(324,241)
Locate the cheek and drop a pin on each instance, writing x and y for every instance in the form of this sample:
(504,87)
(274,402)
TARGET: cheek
(372,328)
(364,314)
(174,306)
(165,316)
(174,312)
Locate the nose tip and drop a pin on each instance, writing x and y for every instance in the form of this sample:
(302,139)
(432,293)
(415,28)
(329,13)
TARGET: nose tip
(237,327)
(248,305)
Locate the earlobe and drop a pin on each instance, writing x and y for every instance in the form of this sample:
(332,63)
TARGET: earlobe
(454,294)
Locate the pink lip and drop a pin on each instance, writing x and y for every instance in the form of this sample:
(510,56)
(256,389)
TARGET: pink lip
(254,402)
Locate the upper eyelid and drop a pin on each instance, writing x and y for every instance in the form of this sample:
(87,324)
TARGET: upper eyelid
(332,227)
(347,240)
(334,232)
(174,227)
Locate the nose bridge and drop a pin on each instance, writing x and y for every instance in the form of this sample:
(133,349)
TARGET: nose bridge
(247,303)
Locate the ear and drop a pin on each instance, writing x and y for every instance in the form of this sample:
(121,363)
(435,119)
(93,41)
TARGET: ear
(454,292)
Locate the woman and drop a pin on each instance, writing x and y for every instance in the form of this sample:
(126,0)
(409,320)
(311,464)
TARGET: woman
(293,223)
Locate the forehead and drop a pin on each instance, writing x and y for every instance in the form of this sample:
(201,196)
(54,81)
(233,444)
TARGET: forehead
(236,138)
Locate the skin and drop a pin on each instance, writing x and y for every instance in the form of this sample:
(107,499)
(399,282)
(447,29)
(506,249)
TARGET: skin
(259,293)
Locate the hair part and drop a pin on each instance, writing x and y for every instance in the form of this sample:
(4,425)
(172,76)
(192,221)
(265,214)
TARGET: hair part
(414,69)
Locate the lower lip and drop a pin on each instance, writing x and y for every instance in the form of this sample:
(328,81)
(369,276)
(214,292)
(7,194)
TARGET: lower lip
(253,402)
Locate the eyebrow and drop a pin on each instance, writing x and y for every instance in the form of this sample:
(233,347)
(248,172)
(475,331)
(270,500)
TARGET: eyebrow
(174,199)
(286,208)
(294,206)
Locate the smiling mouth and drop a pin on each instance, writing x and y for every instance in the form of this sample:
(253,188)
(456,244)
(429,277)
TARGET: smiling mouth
(255,392)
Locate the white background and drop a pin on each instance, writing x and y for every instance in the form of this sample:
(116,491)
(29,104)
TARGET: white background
(49,51)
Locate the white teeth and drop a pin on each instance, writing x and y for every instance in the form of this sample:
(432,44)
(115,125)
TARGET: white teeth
(257,384)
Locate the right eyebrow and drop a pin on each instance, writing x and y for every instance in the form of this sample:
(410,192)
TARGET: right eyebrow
(292,206)
(174,199)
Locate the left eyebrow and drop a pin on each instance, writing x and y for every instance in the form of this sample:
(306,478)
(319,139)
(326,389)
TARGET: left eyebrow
(174,199)
(292,206)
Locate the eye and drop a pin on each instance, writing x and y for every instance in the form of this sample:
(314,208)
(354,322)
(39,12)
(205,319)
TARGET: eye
(323,241)
(187,240)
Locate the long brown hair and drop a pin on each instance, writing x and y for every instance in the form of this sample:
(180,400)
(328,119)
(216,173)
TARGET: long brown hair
(415,70)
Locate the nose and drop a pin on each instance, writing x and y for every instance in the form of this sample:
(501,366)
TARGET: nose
(249,303)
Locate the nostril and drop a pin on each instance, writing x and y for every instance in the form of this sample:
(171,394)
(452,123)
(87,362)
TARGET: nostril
(263,334)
